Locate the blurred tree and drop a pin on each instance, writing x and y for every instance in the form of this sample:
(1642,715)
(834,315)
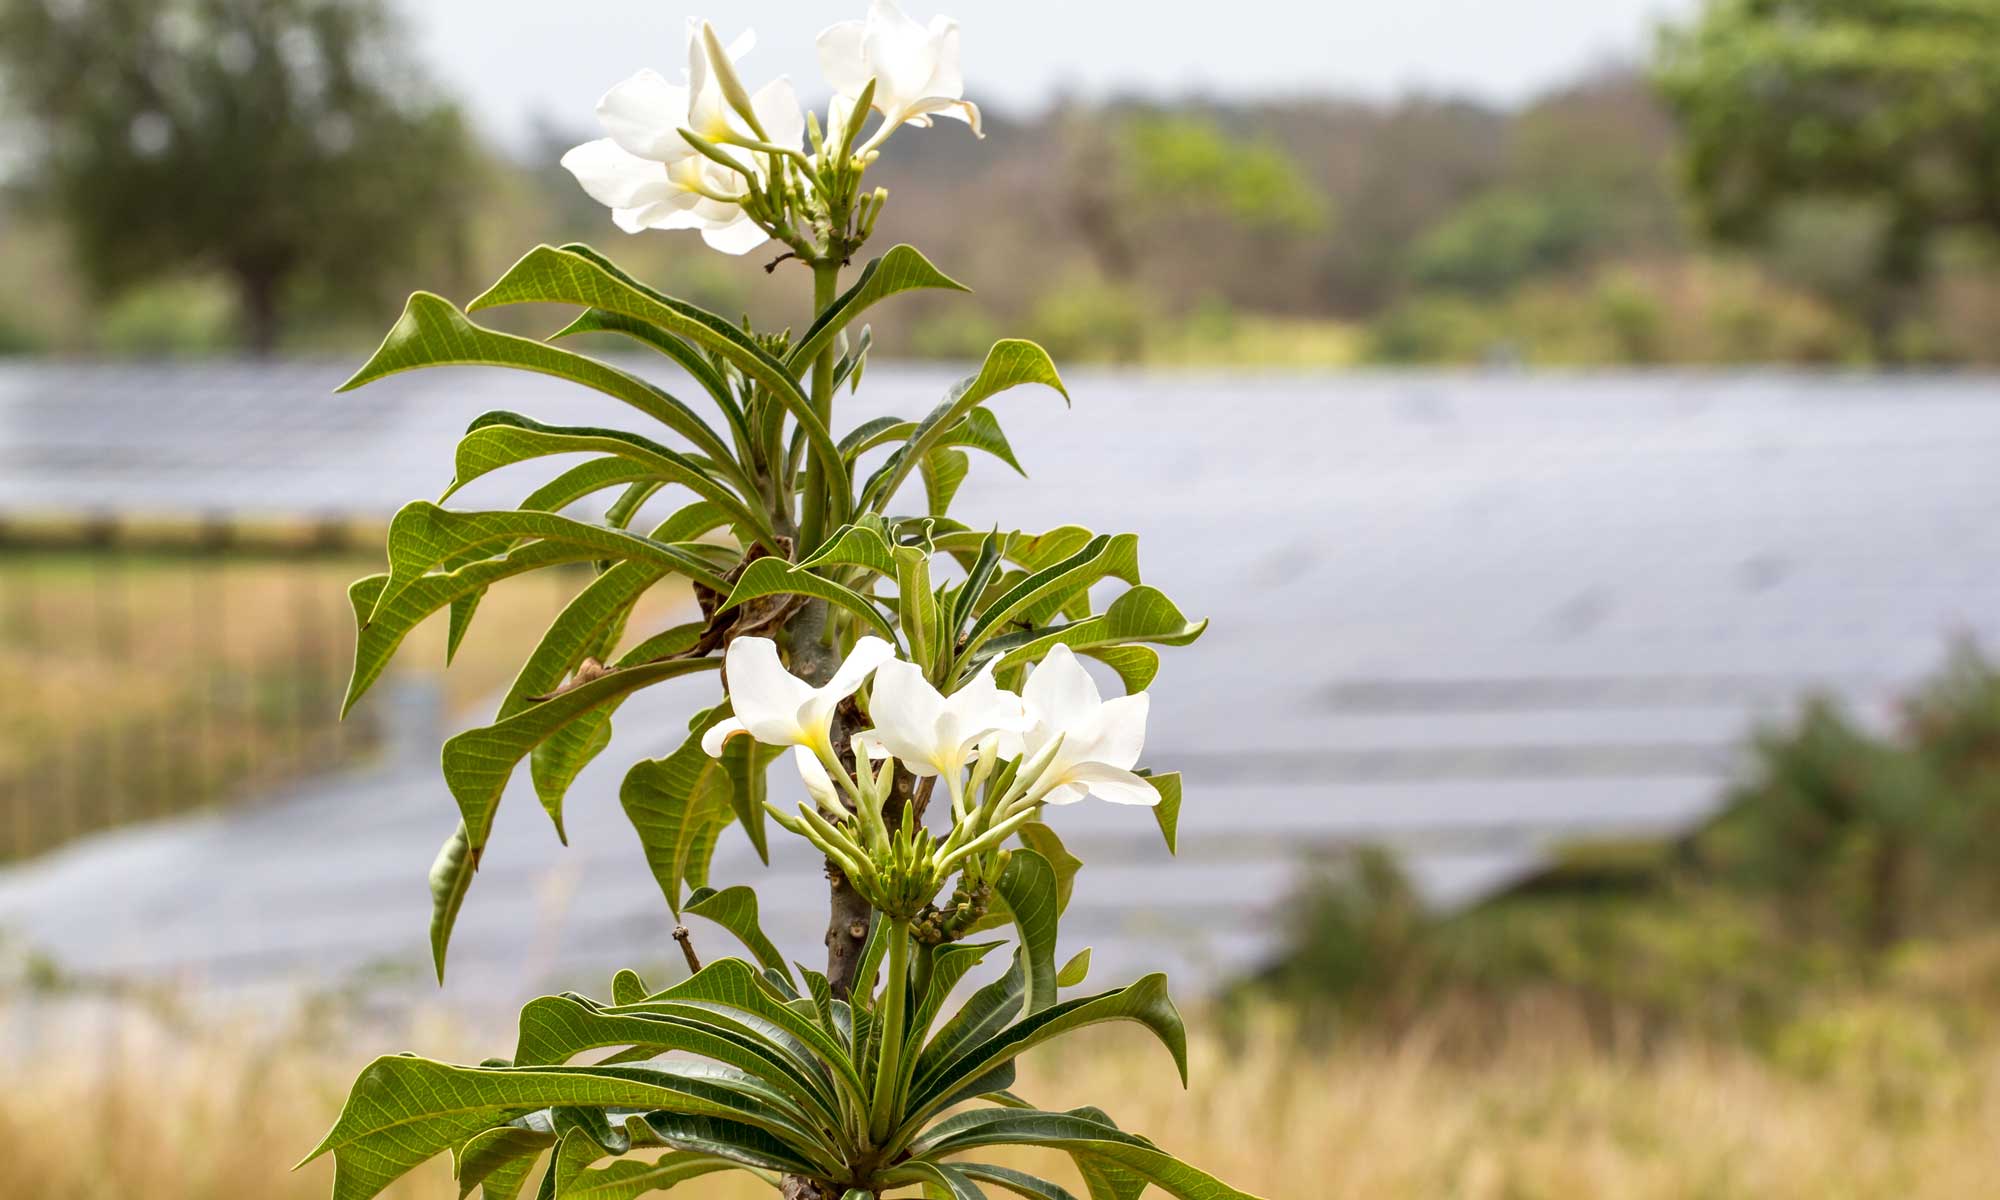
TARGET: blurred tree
(1502,237)
(271,141)
(1889,102)
(1140,178)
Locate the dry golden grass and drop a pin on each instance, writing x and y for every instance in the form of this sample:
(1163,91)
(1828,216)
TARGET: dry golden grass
(141,1111)
(134,688)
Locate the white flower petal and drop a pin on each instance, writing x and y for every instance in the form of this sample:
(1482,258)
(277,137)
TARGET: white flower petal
(718,733)
(1119,733)
(819,785)
(981,708)
(900,54)
(946,77)
(1068,793)
(740,237)
(905,709)
(675,212)
(765,696)
(945,106)
(841,59)
(615,177)
(643,114)
(1061,695)
(1118,787)
(868,653)
(778,111)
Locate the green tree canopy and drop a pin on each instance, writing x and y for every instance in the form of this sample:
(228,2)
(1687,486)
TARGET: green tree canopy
(1890,103)
(273,141)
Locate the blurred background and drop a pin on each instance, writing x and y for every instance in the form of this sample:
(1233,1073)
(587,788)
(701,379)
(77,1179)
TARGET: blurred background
(1574,415)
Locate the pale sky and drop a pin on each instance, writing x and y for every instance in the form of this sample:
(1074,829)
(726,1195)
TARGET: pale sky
(512,58)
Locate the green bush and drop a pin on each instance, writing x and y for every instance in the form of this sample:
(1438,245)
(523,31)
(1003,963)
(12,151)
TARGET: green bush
(1838,869)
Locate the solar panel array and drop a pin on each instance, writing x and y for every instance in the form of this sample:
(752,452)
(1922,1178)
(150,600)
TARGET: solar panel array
(1467,615)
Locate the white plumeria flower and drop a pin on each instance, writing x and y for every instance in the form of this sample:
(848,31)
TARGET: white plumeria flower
(915,69)
(819,784)
(934,734)
(652,178)
(778,708)
(1101,739)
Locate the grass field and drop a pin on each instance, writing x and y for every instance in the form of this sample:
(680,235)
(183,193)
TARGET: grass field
(122,1107)
(138,685)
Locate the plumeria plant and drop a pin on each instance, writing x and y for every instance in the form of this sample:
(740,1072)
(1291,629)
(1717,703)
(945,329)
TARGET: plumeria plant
(927,678)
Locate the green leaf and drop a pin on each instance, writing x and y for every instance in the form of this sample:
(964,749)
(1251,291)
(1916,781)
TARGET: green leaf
(1031,550)
(948,965)
(451,877)
(555,763)
(1082,1139)
(856,545)
(736,984)
(586,479)
(917,608)
(1104,555)
(781,1072)
(981,431)
(941,1181)
(879,431)
(742,1144)
(579,275)
(1139,614)
(735,909)
(1074,971)
(1021,1183)
(382,627)
(1168,811)
(902,269)
(677,804)
(689,523)
(747,762)
(507,1151)
(432,332)
(404,1110)
(628,1178)
(683,353)
(1144,1002)
(478,762)
(1028,885)
(581,629)
(984,1014)
(978,576)
(422,536)
(1135,666)
(1042,839)
(502,439)
(775,577)
(1008,364)
(873,948)
(944,469)
(627,987)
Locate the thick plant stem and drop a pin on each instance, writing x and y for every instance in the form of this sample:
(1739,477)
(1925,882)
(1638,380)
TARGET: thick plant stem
(815,659)
(889,1065)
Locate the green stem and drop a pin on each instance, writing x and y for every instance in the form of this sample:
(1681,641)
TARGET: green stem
(826,287)
(889,1066)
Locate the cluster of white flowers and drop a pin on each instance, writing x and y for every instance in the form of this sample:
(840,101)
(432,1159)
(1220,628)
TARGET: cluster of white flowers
(689,156)
(1001,756)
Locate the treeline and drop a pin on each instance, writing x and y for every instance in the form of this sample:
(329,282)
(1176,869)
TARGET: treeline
(1607,222)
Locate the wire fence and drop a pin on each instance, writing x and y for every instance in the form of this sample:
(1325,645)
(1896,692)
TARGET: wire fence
(135,686)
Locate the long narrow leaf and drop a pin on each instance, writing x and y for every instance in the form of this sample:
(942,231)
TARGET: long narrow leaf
(432,332)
